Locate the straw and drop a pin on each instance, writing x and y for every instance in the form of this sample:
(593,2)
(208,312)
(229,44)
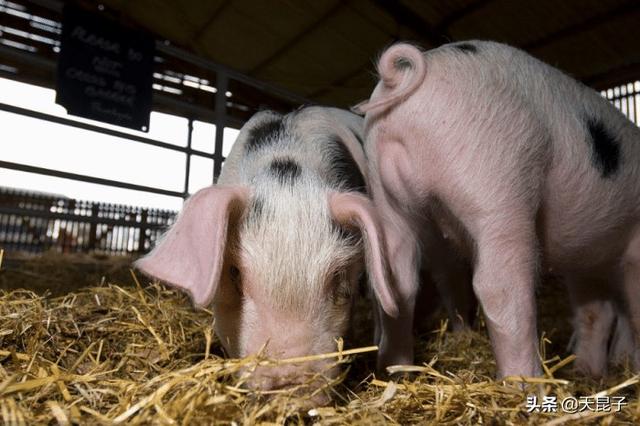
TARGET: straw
(139,353)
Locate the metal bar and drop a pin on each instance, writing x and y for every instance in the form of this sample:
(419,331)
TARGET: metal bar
(93,128)
(159,98)
(143,230)
(188,161)
(168,49)
(221,105)
(90,179)
(34,60)
(75,218)
(617,98)
(24,213)
(626,101)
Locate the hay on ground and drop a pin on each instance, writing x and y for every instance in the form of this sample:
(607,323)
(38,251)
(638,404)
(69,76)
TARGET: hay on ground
(133,354)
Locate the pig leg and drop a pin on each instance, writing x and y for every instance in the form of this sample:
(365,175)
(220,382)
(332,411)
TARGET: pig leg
(427,302)
(452,276)
(396,334)
(453,281)
(503,280)
(622,341)
(631,292)
(378,315)
(457,294)
(593,319)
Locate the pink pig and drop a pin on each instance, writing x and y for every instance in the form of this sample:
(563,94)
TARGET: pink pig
(523,169)
(278,245)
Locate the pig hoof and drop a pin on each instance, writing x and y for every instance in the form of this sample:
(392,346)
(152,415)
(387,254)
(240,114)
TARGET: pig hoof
(590,368)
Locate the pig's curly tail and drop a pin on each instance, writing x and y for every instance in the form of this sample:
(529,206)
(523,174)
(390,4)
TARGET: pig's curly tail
(402,69)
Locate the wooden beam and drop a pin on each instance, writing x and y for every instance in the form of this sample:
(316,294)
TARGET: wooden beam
(406,17)
(296,39)
(443,26)
(588,24)
(340,81)
(197,35)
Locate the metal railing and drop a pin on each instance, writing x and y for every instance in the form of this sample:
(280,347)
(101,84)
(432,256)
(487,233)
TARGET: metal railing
(122,136)
(184,84)
(36,222)
(626,98)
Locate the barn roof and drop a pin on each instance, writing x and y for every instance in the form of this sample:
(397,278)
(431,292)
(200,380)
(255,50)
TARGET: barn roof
(324,49)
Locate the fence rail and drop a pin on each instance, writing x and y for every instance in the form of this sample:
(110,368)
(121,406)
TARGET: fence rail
(183,84)
(35,222)
(626,98)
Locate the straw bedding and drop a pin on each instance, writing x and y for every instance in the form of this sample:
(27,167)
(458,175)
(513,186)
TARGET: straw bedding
(132,353)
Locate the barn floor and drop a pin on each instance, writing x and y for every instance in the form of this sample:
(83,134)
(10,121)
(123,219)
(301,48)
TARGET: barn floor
(116,350)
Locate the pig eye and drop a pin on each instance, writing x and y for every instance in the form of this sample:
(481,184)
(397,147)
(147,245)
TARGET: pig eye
(343,292)
(341,288)
(234,274)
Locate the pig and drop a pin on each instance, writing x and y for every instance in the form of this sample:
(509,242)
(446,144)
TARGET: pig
(526,169)
(277,246)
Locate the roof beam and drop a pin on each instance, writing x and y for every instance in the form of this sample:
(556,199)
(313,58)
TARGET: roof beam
(443,26)
(614,77)
(197,35)
(406,17)
(338,82)
(624,9)
(417,25)
(296,39)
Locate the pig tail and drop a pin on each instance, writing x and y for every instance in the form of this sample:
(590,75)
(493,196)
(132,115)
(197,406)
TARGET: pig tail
(401,69)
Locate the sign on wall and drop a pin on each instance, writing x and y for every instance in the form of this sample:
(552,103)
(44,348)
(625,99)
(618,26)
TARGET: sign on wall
(104,70)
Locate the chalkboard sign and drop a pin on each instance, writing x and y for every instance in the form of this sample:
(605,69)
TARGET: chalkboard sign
(104,70)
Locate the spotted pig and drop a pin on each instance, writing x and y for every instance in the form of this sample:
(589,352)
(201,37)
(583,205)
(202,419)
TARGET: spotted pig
(524,170)
(278,245)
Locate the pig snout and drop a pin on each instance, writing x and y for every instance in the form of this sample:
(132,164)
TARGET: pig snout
(297,380)
(281,377)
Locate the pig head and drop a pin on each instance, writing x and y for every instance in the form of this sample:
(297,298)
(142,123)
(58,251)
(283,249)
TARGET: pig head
(278,246)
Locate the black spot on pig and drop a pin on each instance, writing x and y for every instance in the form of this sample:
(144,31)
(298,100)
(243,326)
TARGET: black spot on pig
(343,169)
(466,47)
(606,149)
(265,133)
(285,169)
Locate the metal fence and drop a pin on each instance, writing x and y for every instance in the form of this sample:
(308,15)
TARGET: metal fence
(36,222)
(626,98)
(183,84)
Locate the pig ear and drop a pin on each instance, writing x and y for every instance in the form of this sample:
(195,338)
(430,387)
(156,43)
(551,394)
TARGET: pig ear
(191,254)
(352,209)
